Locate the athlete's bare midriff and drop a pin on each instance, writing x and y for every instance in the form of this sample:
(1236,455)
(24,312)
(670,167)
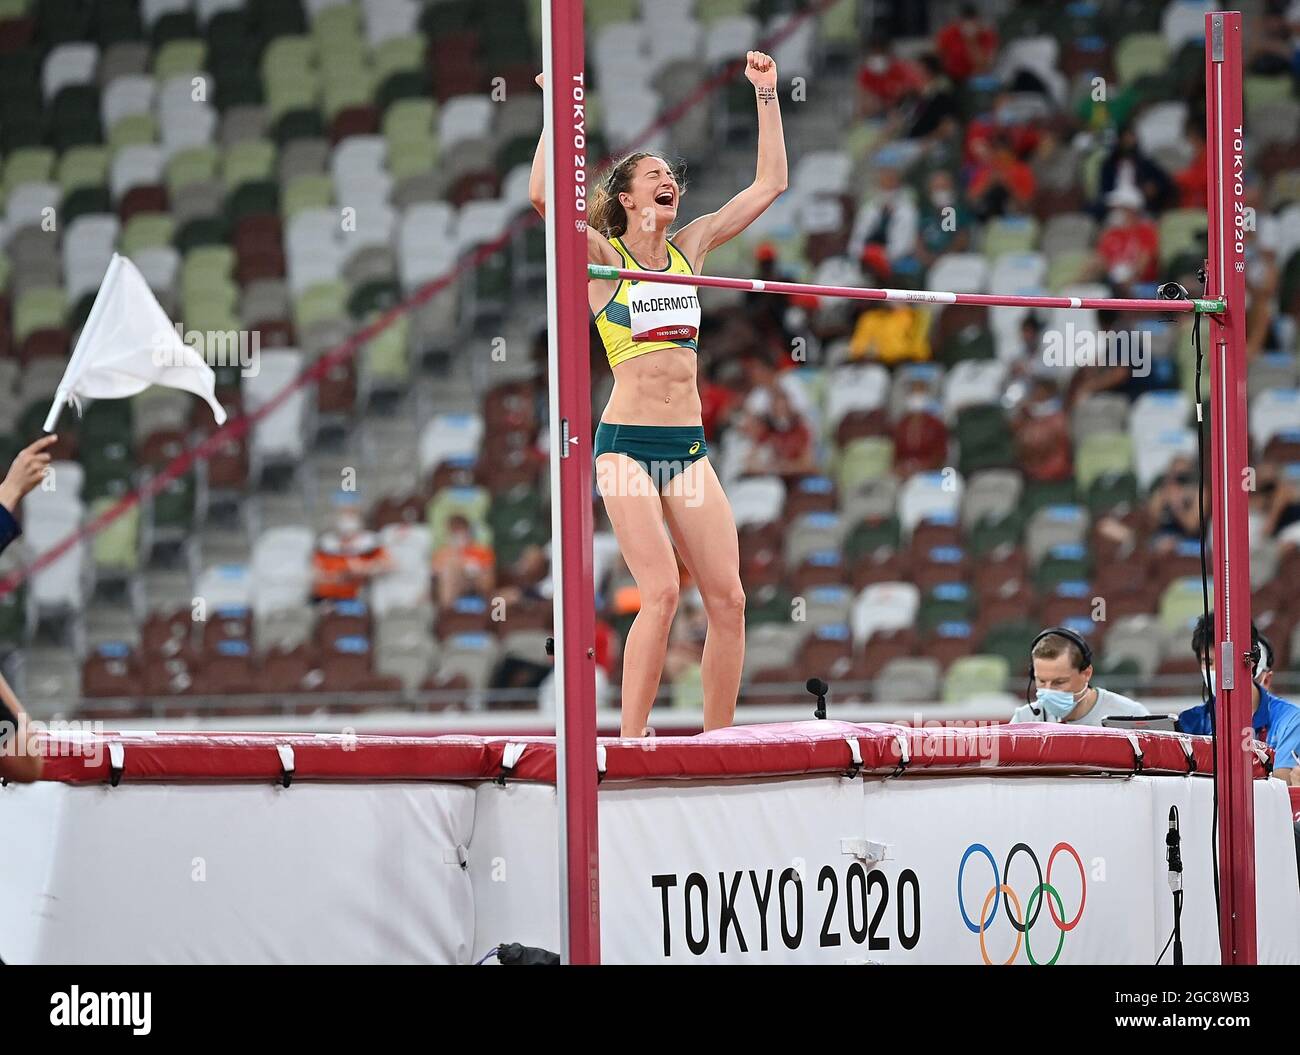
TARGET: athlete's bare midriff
(658,388)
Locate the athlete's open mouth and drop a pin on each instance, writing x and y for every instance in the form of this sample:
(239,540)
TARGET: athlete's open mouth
(665,198)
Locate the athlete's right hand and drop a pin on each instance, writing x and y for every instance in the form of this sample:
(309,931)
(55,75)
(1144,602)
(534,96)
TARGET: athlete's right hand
(540,80)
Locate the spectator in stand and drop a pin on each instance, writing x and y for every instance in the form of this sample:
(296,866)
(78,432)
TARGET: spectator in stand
(884,79)
(347,558)
(767,313)
(1272,51)
(888,331)
(944,220)
(26,472)
(1029,363)
(920,436)
(968,46)
(1000,183)
(1127,167)
(1128,251)
(770,434)
(1275,505)
(463,565)
(887,218)
(1193,180)
(1055,163)
(933,104)
(718,399)
(1042,434)
(1105,107)
(1172,509)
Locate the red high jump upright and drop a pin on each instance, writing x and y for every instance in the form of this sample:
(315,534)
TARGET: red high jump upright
(571,478)
(1226,361)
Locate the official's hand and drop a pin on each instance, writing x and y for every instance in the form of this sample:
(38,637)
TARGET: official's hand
(27,470)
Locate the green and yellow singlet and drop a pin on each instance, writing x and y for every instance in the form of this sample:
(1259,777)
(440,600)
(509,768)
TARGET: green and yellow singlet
(645,316)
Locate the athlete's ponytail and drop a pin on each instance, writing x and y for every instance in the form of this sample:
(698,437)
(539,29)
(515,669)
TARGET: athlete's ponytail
(605,212)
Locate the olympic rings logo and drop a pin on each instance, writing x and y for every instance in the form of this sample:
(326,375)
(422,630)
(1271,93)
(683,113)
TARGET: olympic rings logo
(1022,922)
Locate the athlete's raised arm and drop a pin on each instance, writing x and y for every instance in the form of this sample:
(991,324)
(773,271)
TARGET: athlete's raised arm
(770,180)
(599,251)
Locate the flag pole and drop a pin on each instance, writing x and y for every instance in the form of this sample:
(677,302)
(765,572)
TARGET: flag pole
(79,352)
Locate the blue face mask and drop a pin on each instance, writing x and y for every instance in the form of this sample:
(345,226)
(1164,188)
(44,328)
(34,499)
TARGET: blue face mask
(1056,702)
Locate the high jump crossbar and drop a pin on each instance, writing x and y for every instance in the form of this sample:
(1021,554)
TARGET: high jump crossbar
(1200,305)
(571,463)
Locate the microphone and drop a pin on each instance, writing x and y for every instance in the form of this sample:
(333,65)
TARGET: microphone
(1173,852)
(819,689)
(1174,858)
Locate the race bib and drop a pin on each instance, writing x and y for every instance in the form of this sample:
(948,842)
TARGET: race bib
(661,312)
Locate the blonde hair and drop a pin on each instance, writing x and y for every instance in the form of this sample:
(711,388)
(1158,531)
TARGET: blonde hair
(605,212)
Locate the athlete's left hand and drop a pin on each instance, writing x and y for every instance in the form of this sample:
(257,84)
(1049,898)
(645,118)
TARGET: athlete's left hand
(760,68)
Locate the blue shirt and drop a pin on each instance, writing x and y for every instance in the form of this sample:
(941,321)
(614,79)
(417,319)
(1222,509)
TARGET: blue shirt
(9,529)
(1276,721)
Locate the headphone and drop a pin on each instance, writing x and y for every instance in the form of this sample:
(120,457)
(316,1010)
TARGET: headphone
(1085,650)
(1264,657)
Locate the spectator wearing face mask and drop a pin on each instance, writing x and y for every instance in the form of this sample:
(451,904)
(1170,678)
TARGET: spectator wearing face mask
(884,79)
(1275,505)
(887,218)
(1061,684)
(1275,721)
(920,436)
(933,110)
(464,564)
(1042,434)
(1000,183)
(967,46)
(347,557)
(1128,251)
(1172,509)
(1127,167)
(944,220)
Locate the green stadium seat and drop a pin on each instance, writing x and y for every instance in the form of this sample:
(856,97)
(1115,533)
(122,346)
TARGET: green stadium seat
(83,166)
(975,676)
(145,230)
(324,301)
(872,535)
(26,165)
(38,309)
(181,56)
(1102,453)
(386,360)
(194,165)
(1181,605)
(984,439)
(470,502)
(1110,491)
(116,548)
(1011,641)
(862,461)
(988,535)
(1140,55)
(132,130)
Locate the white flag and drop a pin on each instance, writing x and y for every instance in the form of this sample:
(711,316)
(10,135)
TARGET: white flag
(128,344)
